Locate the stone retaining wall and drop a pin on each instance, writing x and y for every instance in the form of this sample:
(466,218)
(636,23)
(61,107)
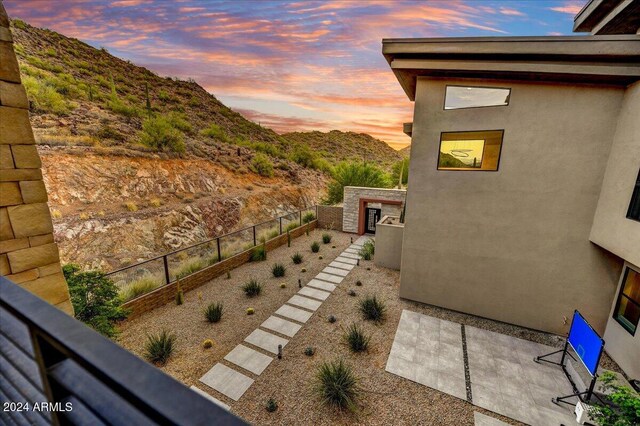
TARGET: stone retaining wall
(330,217)
(167,293)
(28,255)
(351,204)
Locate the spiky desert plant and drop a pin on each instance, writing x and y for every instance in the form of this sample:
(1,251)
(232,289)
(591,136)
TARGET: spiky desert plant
(315,247)
(356,338)
(160,346)
(259,253)
(252,288)
(309,351)
(373,309)
(213,312)
(326,238)
(271,405)
(367,251)
(278,270)
(337,385)
(308,217)
(297,258)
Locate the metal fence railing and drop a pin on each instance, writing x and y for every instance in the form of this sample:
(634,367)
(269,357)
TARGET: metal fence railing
(144,277)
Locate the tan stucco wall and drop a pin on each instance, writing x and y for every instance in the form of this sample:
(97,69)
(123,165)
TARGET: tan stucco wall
(388,244)
(28,255)
(513,245)
(611,229)
(619,343)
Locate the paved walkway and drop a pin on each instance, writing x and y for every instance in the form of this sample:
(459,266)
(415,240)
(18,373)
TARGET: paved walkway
(491,370)
(277,329)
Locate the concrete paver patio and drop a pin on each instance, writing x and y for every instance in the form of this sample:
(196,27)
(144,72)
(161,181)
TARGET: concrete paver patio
(304,302)
(314,293)
(322,285)
(281,326)
(249,359)
(340,265)
(267,341)
(227,381)
(293,313)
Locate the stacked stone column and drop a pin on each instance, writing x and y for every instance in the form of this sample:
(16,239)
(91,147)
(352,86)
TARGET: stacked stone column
(28,254)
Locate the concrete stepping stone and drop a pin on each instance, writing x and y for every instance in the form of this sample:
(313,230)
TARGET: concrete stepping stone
(322,285)
(281,326)
(304,302)
(314,293)
(330,278)
(352,250)
(335,271)
(350,255)
(249,359)
(210,398)
(346,260)
(340,265)
(480,419)
(227,381)
(295,314)
(267,341)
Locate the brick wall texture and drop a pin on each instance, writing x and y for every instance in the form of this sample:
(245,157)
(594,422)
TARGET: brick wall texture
(167,293)
(330,217)
(28,255)
(351,203)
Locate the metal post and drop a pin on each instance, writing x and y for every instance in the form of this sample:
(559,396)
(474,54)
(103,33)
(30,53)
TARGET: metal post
(219,254)
(279,351)
(280,225)
(166,269)
(254,236)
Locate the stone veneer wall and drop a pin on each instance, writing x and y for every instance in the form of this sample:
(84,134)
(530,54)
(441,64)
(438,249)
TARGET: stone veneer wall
(28,255)
(167,293)
(351,204)
(330,217)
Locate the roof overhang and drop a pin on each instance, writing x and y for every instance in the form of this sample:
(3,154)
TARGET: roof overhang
(608,17)
(588,59)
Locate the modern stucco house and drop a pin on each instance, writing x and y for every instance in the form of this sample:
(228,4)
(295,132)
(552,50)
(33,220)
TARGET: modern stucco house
(524,184)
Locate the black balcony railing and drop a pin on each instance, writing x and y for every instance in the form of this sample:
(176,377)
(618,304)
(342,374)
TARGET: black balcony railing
(48,359)
(144,277)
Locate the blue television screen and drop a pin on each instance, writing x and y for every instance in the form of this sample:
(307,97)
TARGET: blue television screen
(585,342)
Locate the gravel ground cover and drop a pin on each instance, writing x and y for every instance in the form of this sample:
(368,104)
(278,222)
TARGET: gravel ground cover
(384,399)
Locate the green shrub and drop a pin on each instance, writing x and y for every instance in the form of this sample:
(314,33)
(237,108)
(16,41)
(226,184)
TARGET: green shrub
(315,247)
(326,238)
(373,309)
(297,258)
(309,351)
(44,97)
(278,270)
(356,338)
(271,405)
(367,251)
(119,107)
(189,268)
(95,299)
(18,23)
(252,288)
(160,134)
(332,319)
(354,174)
(261,165)
(180,122)
(213,312)
(164,96)
(291,226)
(215,132)
(401,166)
(622,404)
(143,285)
(159,347)
(259,253)
(308,217)
(337,385)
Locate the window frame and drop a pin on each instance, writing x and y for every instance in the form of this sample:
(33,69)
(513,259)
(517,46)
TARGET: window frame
(635,201)
(444,104)
(629,300)
(470,169)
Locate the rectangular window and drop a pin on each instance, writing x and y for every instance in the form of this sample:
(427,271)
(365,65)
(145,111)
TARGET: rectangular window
(627,311)
(458,97)
(634,205)
(470,150)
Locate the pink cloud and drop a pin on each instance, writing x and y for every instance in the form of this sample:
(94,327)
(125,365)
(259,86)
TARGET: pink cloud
(511,12)
(571,8)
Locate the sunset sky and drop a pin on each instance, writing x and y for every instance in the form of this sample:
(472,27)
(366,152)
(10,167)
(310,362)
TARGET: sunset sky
(292,66)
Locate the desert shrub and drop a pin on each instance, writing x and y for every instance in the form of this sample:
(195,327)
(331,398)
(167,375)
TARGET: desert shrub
(309,351)
(332,319)
(261,165)
(308,217)
(159,133)
(17,23)
(622,404)
(213,312)
(401,166)
(215,132)
(278,270)
(164,96)
(44,97)
(315,247)
(207,343)
(139,287)
(56,214)
(131,206)
(271,405)
(95,299)
(326,238)
(337,385)
(367,251)
(291,226)
(354,174)
(297,258)
(373,309)
(155,202)
(189,268)
(180,122)
(252,288)
(356,338)
(160,346)
(108,132)
(259,253)
(303,155)
(119,107)
(250,311)
(273,234)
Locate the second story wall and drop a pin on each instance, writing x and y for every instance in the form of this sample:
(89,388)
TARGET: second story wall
(611,228)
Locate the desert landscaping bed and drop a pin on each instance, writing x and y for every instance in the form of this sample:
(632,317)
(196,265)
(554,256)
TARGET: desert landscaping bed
(385,398)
